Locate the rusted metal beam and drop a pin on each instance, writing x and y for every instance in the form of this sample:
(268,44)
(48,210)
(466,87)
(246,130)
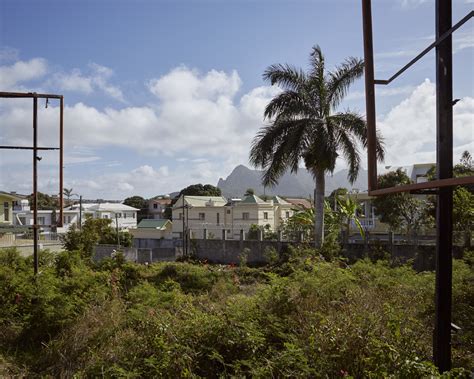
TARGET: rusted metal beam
(27,148)
(35,184)
(450,182)
(370,94)
(444,170)
(61,161)
(16,95)
(439,40)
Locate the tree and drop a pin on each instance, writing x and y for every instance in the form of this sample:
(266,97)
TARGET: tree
(136,202)
(68,193)
(400,210)
(348,209)
(249,191)
(305,125)
(335,195)
(201,190)
(44,201)
(139,203)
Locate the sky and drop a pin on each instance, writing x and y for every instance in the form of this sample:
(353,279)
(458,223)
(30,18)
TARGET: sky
(163,94)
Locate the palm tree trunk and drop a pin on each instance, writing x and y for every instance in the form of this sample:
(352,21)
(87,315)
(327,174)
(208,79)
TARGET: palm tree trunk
(319,209)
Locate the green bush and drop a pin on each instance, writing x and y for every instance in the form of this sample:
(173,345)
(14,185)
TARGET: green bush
(301,316)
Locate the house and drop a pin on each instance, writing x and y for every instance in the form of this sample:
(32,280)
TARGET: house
(123,216)
(216,215)
(157,207)
(149,230)
(196,213)
(8,201)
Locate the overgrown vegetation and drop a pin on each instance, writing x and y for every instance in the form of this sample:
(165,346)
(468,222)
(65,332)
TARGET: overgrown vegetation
(299,316)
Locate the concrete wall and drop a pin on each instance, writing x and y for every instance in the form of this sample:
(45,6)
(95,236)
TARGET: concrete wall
(138,255)
(230,251)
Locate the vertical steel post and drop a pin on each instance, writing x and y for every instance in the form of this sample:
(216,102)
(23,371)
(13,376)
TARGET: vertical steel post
(80,213)
(61,163)
(369,94)
(35,184)
(444,160)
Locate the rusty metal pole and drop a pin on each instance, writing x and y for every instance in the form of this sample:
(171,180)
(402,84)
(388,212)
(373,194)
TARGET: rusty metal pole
(369,94)
(444,212)
(61,163)
(35,184)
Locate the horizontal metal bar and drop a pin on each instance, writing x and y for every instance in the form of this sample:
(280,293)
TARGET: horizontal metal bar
(426,51)
(29,95)
(28,148)
(451,182)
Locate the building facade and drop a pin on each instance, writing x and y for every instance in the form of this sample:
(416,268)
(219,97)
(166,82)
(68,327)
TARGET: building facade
(217,216)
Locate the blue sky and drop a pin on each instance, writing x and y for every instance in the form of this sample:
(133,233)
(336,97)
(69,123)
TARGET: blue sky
(163,94)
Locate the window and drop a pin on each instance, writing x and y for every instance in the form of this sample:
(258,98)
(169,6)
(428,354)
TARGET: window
(41,221)
(119,215)
(6,210)
(218,217)
(124,215)
(133,215)
(105,216)
(228,211)
(180,216)
(265,215)
(155,206)
(245,216)
(202,216)
(287,214)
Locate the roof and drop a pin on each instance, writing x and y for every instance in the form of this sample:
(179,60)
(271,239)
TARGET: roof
(201,201)
(302,203)
(279,200)
(152,224)
(252,199)
(12,196)
(113,207)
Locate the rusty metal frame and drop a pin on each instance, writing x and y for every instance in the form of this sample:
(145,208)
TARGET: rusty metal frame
(370,83)
(443,186)
(35,96)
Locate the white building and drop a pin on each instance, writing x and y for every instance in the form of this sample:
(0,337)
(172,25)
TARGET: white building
(121,214)
(216,214)
(125,216)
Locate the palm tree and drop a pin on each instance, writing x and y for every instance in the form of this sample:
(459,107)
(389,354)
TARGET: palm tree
(305,125)
(68,193)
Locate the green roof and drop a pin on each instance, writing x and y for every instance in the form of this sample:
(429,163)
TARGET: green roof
(252,199)
(279,200)
(152,224)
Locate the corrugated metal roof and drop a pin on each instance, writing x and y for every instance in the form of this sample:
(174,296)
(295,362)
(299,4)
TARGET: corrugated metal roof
(152,224)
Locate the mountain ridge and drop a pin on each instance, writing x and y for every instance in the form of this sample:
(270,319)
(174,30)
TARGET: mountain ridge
(300,184)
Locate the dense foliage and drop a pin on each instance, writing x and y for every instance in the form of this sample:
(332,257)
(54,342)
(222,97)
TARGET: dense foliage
(94,231)
(201,190)
(299,317)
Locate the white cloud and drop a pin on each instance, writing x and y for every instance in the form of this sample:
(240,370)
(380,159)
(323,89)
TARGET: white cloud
(97,78)
(21,71)
(409,128)
(381,92)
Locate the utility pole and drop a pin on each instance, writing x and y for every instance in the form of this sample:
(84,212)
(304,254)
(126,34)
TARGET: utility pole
(444,168)
(117,230)
(80,213)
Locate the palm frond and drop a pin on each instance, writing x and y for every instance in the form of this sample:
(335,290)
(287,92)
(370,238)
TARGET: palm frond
(287,103)
(356,124)
(348,146)
(285,76)
(341,79)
